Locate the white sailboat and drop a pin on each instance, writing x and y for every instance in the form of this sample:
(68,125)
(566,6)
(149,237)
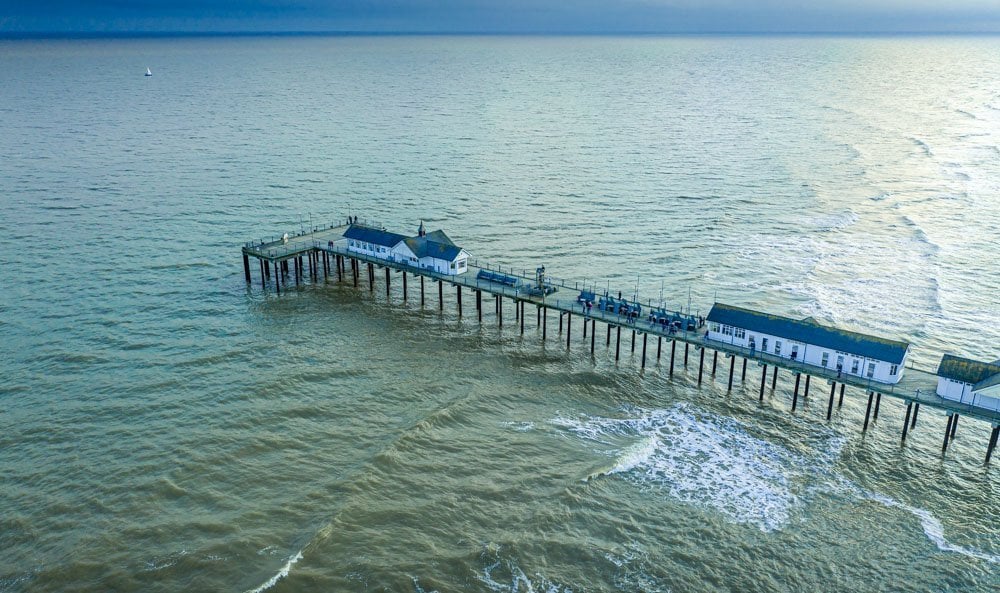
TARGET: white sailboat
(148,72)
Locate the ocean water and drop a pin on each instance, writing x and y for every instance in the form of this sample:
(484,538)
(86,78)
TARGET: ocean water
(165,427)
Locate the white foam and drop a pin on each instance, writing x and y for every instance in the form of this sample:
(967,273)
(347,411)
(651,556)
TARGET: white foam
(932,528)
(505,576)
(280,575)
(704,460)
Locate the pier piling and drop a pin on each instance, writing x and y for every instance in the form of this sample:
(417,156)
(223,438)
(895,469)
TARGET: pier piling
(659,347)
(763,382)
(954,427)
(673,350)
(458,296)
(404,285)
(994,436)
(644,336)
(906,420)
(440,295)
(840,401)
(868,411)
(522,317)
(545,320)
(387,282)
(774,378)
(715,361)
(608,344)
(947,433)
(686,345)
(618,344)
(593,335)
(916,410)
(743,377)
(701,365)
(795,392)
(421,292)
(833,393)
(569,328)
(246,267)
(805,392)
(732,367)
(878,402)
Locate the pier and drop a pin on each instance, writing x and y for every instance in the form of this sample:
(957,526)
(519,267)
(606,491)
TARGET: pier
(324,251)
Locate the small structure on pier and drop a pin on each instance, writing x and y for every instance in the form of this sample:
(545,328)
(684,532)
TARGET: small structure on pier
(429,251)
(969,381)
(805,340)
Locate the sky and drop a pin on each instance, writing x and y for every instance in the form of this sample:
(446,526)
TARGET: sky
(500,16)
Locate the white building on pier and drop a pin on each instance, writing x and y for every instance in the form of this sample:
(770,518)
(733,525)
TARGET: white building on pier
(806,341)
(428,251)
(969,381)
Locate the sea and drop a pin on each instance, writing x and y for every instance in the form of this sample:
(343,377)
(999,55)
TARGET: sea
(165,426)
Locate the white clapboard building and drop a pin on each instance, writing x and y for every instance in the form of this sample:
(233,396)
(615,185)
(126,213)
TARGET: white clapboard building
(806,341)
(430,251)
(969,381)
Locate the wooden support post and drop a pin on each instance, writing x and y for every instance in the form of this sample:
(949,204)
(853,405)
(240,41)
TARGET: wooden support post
(732,367)
(906,420)
(878,402)
(560,321)
(763,382)
(569,328)
(404,285)
(686,346)
(354,271)
(840,401)
(954,427)
(659,347)
(458,294)
(267,268)
(277,276)
(833,394)
(585,327)
(521,305)
(715,361)
(644,337)
(593,334)
(440,295)
(538,316)
(633,341)
(608,344)
(774,377)
(387,282)
(743,377)
(263,279)
(868,412)
(295,263)
(994,436)
(339,262)
(499,311)
(795,392)
(246,267)
(371,278)
(805,392)
(517,309)
(916,409)
(673,350)
(545,320)
(618,344)
(701,365)
(479,305)
(326,265)
(947,433)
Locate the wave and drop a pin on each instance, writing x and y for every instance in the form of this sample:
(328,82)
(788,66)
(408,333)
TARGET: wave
(924,147)
(280,574)
(714,462)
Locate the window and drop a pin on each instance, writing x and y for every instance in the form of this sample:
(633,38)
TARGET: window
(854,367)
(777,347)
(452,265)
(795,350)
(826,359)
(893,370)
(714,327)
(871,370)
(741,333)
(840,363)
(763,344)
(727,330)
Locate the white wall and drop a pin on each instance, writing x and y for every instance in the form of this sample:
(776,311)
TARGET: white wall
(368,249)
(807,353)
(955,390)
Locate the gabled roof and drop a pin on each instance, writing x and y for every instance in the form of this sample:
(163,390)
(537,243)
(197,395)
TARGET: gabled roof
(438,236)
(423,247)
(810,332)
(373,235)
(967,370)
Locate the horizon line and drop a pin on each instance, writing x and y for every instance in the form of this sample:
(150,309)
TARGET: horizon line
(446,33)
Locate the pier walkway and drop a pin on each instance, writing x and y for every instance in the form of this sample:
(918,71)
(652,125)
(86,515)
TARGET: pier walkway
(326,249)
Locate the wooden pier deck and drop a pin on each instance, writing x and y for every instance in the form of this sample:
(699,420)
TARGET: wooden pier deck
(327,253)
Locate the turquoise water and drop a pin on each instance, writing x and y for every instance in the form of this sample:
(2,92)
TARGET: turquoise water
(165,427)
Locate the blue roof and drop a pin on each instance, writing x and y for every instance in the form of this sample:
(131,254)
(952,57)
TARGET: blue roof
(373,235)
(422,247)
(810,332)
(967,370)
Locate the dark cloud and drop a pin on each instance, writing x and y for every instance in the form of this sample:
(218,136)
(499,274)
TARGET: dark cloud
(560,16)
